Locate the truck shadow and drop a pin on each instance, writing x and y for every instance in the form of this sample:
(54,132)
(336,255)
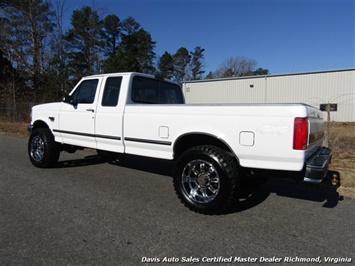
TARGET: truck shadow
(87,160)
(146,164)
(253,190)
(257,189)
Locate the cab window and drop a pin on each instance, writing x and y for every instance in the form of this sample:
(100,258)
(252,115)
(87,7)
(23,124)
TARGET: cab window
(85,93)
(111,91)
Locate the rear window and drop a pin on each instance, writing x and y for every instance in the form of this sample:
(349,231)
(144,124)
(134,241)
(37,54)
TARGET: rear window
(153,91)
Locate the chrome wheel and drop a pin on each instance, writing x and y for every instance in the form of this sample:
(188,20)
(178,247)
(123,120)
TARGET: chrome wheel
(200,181)
(42,148)
(206,179)
(37,149)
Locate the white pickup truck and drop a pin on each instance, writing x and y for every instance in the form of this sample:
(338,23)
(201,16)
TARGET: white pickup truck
(133,113)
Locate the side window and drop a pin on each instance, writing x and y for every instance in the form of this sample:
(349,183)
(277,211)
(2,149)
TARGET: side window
(111,91)
(86,91)
(152,91)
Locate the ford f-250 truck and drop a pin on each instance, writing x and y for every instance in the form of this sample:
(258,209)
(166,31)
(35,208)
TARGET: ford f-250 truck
(133,113)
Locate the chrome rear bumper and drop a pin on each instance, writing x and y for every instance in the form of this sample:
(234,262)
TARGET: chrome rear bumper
(317,165)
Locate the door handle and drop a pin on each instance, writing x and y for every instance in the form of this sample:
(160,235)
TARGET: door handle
(90,110)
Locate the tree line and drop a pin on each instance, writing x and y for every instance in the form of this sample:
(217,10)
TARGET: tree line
(39,61)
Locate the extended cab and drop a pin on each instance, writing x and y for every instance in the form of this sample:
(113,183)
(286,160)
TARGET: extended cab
(133,113)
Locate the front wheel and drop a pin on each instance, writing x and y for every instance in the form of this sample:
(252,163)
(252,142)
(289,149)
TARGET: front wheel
(42,148)
(206,179)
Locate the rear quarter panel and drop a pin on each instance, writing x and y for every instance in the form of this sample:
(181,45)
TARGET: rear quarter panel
(260,136)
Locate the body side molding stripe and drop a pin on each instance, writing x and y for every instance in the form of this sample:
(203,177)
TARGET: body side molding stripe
(108,137)
(86,134)
(168,143)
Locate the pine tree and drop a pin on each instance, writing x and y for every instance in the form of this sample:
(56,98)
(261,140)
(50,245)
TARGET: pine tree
(135,51)
(181,60)
(111,33)
(197,63)
(166,66)
(84,42)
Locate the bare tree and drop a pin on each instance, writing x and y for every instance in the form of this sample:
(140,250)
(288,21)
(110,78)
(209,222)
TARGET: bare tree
(25,28)
(235,66)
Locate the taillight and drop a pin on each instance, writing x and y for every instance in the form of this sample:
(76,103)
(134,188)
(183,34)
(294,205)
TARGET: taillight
(300,134)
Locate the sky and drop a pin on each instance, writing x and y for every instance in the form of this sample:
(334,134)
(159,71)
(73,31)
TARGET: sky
(283,36)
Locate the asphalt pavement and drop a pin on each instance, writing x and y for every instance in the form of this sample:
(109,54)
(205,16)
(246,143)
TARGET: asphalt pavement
(88,211)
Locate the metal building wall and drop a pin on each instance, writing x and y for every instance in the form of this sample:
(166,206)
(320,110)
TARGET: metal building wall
(225,91)
(313,88)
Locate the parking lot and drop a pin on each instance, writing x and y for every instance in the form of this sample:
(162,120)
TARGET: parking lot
(89,211)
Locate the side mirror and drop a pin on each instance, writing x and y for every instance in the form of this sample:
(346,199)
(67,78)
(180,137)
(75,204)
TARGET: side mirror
(68,99)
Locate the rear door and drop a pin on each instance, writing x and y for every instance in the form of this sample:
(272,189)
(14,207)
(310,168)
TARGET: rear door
(109,116)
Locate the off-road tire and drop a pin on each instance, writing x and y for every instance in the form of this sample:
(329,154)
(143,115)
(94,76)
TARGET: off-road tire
(206,179)
(42,148)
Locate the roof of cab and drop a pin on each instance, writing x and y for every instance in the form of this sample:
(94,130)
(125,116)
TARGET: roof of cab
(128,74)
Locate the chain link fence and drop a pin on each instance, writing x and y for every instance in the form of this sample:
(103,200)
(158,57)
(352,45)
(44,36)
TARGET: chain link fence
(19,112)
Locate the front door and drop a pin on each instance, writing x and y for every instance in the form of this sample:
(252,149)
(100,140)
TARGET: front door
(77,120)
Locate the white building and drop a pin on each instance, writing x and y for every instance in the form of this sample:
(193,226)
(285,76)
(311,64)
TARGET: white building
(313,88)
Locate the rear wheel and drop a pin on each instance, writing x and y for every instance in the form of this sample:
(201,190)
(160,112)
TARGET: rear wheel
(42,149)
(206,179)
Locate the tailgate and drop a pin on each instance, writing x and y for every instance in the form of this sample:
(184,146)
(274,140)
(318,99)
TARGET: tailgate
(315,127)
(318,157)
